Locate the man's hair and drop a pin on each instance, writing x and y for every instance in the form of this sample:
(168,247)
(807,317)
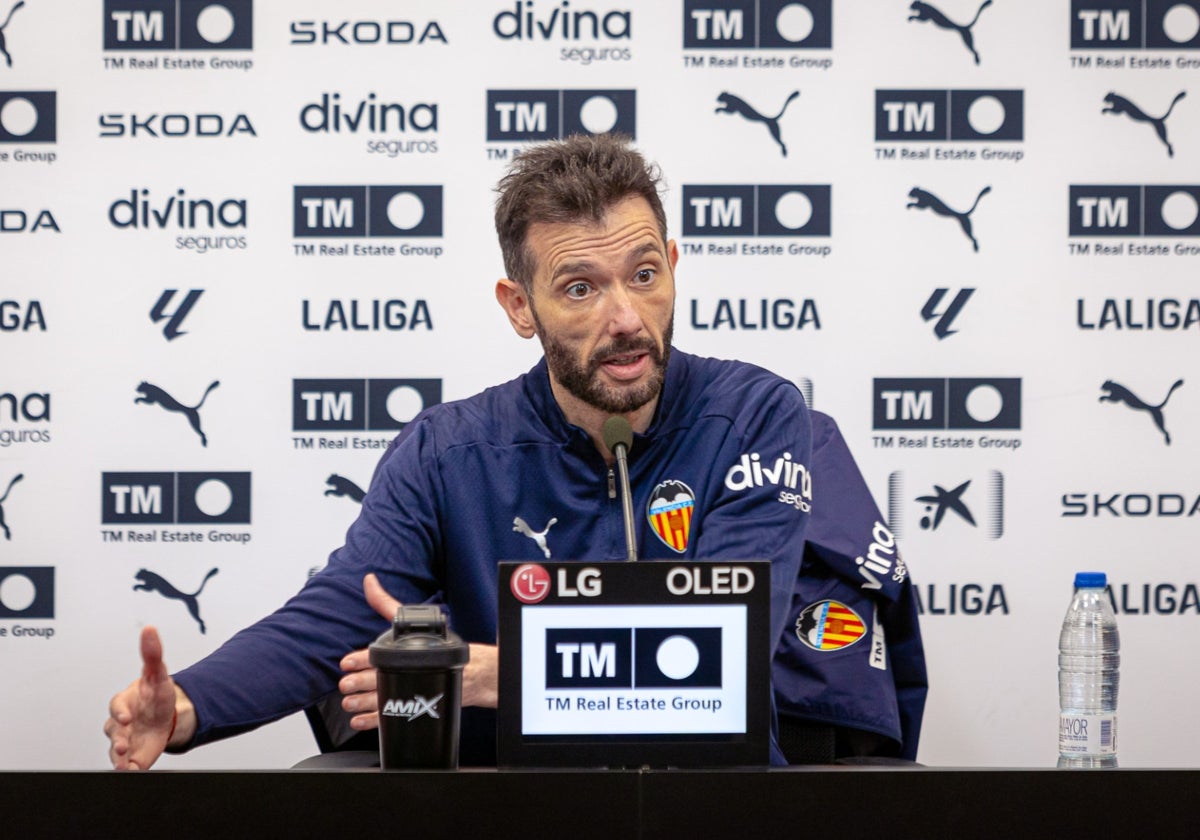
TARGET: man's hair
(573,180)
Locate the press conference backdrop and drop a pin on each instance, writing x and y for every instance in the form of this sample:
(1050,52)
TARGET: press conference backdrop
(245,242)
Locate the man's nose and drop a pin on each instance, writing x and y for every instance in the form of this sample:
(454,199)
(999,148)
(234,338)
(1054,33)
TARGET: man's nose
(623,316)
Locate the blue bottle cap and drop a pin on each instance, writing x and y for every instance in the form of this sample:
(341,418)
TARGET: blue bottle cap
(1090,580)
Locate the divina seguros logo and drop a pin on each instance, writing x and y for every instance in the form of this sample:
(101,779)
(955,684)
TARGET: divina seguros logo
(24,418)
(149,211)
(573,27)
(417,122)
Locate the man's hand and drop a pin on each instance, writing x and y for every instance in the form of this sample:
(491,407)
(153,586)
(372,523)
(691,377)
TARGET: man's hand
(358,686)
(151,711)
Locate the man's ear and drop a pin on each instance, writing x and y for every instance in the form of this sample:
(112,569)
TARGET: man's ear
(512,297)
(672,253)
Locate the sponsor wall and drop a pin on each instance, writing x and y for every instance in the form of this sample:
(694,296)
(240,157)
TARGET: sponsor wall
(244,243)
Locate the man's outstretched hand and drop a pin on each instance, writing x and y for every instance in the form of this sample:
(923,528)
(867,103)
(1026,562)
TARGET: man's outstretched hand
(151,711)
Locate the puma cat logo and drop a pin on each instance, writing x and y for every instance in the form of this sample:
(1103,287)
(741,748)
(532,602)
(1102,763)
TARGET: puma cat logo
(150,582)
(925,200)
(1114,103)
(341,486)
(1114,392)
(11,482)
(731,104)
(538,537)
(152,394)
(4,26)
(922,12)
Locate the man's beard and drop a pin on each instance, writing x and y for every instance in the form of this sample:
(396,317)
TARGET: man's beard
(583,381)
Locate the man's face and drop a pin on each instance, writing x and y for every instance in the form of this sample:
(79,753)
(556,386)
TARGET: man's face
(603,303)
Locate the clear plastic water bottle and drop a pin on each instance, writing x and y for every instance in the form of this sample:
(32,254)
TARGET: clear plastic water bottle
(1088,661)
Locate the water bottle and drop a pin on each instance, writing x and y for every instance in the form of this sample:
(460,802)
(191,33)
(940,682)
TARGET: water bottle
(1088,658)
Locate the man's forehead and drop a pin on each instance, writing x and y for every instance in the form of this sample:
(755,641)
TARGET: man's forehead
(625,226)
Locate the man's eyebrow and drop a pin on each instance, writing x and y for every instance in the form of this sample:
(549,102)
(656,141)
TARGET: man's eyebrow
(585,266)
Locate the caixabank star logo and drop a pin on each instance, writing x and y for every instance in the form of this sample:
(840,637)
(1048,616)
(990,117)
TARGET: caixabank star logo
(946,504)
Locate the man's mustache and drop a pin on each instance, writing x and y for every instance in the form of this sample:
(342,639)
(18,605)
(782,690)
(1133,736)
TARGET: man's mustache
(625,347)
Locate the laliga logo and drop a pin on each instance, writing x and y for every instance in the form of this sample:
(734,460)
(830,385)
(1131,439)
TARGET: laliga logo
(530,583)
(412,709)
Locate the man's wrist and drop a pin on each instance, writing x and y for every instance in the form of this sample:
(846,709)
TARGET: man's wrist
(183,723)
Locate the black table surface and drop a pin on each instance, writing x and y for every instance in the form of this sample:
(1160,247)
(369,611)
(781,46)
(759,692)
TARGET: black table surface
(828,801)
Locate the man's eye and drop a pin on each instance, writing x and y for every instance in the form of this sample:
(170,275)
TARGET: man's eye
(578,290)
(646,275)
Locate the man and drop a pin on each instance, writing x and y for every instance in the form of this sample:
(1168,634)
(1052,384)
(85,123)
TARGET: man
(591,274)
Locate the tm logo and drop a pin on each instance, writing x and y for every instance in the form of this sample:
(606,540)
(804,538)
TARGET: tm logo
(1135,24)
(178,25)
(1134,210)
(763,24)
(520,115)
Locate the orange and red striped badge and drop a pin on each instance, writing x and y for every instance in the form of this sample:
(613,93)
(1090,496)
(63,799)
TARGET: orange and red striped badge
(670,513)
(829,625)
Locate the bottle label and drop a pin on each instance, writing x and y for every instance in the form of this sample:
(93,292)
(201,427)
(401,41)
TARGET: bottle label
(1087,734)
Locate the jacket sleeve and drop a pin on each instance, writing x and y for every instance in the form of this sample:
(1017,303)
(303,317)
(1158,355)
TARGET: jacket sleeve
(851,654)
(756,505)
(289,659)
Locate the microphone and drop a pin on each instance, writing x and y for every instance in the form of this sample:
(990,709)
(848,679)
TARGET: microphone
(618,437)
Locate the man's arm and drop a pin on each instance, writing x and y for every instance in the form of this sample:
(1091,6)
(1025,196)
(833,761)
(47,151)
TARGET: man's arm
(151,715)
